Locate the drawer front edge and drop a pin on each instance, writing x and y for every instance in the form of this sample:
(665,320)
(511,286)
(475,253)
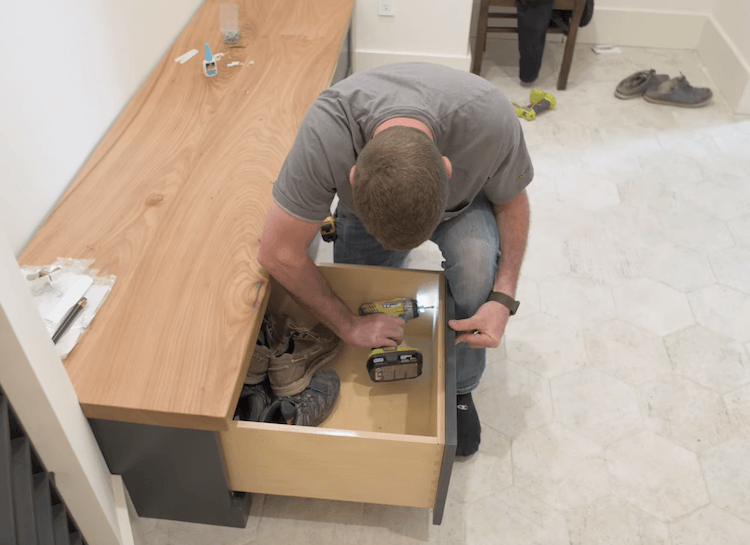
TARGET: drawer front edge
(332,466)
(451,434)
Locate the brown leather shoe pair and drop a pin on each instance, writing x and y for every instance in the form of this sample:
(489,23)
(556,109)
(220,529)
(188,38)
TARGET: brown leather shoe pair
(290,354)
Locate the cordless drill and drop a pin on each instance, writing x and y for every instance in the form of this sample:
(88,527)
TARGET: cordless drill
(391,363)
(540,101)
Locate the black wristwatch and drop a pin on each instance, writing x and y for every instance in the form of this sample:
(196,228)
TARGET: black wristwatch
(506,300)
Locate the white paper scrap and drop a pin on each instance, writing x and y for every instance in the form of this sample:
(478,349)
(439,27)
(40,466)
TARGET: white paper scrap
(235,63)
(187,56)
(192,54)
(605,49)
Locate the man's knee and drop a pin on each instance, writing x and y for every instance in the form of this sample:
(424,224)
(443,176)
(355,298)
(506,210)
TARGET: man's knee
(473,274)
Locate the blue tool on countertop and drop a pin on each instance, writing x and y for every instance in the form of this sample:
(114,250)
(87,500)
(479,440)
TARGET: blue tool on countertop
(209,64)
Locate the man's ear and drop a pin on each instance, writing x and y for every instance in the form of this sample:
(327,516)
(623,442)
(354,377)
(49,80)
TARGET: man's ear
(351,175)
(448,166)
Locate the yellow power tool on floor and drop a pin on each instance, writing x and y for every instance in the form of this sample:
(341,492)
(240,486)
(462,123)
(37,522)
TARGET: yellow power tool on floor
(540,101)
(391,363)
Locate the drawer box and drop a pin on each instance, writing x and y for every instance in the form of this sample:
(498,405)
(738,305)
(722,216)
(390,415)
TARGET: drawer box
(387,443)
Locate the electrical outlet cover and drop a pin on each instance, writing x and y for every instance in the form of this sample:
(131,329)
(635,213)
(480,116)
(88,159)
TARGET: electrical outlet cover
(386,8)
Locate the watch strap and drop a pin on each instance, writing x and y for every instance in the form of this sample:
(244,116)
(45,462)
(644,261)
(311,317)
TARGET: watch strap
(505,300)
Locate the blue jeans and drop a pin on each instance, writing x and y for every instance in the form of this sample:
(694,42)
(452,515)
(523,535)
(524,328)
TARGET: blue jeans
(471,249)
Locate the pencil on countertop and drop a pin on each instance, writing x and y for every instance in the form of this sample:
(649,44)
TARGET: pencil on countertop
(68,319)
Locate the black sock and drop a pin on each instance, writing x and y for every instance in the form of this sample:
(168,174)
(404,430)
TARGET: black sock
(468,426)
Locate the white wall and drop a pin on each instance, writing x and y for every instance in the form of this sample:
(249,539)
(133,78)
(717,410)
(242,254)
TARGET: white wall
(666,29)
(421,30)
(676,24)
(697,6)
(43,398)
(669,24)
(71,67)
(734,18)
(661,23)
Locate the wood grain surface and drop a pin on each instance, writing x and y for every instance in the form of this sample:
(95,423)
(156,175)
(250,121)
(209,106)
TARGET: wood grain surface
(173,203)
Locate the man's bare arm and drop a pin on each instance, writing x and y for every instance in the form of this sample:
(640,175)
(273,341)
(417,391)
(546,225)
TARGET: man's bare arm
(513,225)
(283,253)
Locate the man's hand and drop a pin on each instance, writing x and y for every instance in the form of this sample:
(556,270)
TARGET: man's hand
(374,331)
(485,328)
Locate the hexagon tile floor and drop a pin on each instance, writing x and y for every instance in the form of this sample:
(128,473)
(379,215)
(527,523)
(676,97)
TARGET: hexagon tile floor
(617,409)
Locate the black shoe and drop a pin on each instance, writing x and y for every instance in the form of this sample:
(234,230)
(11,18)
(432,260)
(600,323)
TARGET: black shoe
(635,85)
(254,400)
(468,426)
(678,92)
(311,406)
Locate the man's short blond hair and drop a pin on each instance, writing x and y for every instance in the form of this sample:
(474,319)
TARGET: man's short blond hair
(400,187)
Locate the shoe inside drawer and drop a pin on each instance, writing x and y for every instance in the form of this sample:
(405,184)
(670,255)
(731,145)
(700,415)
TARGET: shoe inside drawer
(383,442)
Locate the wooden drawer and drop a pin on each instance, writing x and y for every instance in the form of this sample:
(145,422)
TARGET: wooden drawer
(387,443)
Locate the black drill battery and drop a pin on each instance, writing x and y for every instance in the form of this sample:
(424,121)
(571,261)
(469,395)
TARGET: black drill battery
(391,363)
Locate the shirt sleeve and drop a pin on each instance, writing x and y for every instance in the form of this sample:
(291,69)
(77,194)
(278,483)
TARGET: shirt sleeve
(316,163)
(513,169)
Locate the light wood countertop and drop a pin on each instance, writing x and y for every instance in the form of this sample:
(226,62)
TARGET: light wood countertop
(173,203)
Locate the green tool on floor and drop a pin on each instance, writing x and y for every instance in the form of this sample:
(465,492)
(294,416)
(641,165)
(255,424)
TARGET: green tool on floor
(540,101)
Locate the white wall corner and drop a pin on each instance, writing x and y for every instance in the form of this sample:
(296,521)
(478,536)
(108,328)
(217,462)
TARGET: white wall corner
(729,70)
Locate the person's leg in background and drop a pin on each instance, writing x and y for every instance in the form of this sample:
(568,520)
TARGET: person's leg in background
(533,21)
(471,248)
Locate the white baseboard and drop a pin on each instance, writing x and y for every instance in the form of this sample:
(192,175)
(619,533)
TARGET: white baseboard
(366,59)
(726,65)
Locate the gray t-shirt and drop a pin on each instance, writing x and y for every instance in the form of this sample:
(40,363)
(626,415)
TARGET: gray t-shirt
(472,123)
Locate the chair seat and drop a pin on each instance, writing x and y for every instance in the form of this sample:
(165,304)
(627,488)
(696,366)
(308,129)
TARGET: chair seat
(576,6)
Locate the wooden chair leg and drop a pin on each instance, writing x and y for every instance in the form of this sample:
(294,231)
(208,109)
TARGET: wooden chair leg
(479,46)
(570,44)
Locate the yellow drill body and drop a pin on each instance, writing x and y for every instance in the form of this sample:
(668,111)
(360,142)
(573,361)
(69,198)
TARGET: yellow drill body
(391,363)
(406,309)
